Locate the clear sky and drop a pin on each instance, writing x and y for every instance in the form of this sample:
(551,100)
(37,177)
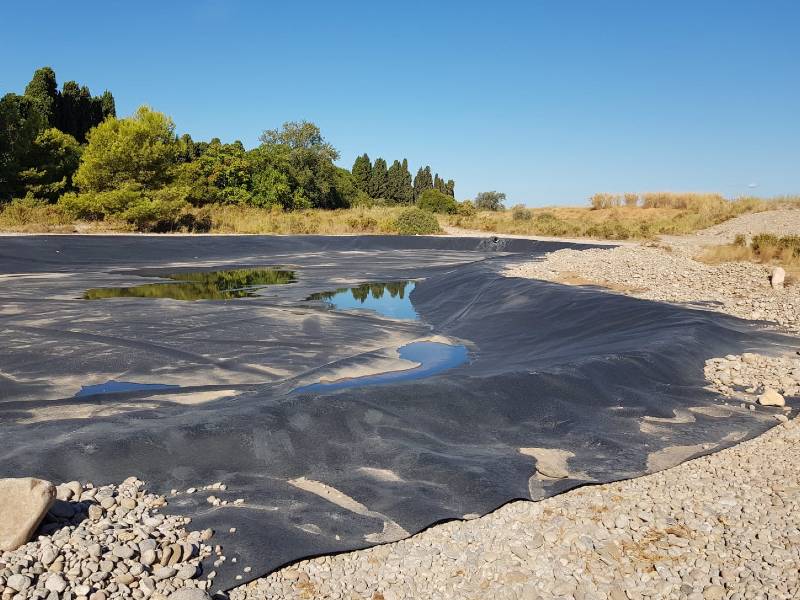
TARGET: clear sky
(546,101)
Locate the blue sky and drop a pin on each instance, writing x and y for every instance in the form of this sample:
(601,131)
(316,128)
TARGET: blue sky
(546,101)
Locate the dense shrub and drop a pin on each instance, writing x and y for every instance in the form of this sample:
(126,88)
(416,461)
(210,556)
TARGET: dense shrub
(436,201)
(415,221)
(147,210)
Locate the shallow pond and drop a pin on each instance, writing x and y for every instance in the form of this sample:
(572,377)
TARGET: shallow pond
(434,358)
(390,299)
(200,285)
(116,387)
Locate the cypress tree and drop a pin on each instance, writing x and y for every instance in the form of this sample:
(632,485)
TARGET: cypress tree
(43,90)
(379,180)
(108,106)
(394,188)
(406,189)
(451,188)
(438,184)
(423,181)
(362,172)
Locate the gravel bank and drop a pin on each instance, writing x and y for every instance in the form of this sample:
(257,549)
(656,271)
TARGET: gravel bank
(99,543)
(668,272)
(725,525)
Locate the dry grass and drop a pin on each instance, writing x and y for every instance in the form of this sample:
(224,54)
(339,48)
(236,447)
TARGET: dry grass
(662,214)
(765,249)
(665,214)
(234,219)
(32,217)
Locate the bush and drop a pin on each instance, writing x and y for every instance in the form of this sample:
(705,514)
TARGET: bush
(415,221)
(740,240)
(465,209)
(490,200)
(30,213)
(147,210)
(436,201)
(520,213)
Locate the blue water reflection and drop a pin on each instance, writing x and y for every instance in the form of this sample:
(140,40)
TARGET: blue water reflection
(390,299)
(434,358)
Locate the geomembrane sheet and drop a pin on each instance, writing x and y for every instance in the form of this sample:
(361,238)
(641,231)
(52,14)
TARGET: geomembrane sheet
(187,393)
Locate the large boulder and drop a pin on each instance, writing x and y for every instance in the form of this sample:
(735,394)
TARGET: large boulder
(23,504)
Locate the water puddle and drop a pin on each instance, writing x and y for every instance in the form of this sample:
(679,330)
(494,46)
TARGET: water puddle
(389,299)
(434,358)
(115,387)
(200,285)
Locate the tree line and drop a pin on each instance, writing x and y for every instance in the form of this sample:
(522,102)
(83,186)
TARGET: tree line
(394,183)
(68,146)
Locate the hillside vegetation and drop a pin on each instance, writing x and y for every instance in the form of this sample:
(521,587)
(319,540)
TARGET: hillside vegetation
(652,214)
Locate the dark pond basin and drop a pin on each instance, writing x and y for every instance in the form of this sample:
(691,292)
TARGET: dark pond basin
(434,358)
(389,299)
(201,285)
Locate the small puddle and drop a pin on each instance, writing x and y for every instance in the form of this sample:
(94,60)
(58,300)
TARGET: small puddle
(200,285)
(116,387)
(434,358)
(390,299)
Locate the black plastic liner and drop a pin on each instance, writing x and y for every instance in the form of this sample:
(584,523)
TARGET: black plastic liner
(551,366)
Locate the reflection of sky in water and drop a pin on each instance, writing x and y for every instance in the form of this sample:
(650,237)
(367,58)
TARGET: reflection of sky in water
(387,299)
(116,387)
(434,358)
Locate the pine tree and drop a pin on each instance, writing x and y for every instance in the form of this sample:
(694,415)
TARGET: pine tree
(362,172)
(379,180)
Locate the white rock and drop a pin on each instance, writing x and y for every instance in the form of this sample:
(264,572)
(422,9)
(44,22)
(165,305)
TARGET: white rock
(25,502)
(771,398)
(777,278)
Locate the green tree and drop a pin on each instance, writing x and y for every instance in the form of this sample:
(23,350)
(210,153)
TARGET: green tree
(490,200)
(21,121)
(141,150)
(422,181)
(308,160)
(43,90)
(300,135)
(450,188)
(395,182)
(407,189)
(220,174)
(379,179)
(51,163)
(108,107)
(362,171)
